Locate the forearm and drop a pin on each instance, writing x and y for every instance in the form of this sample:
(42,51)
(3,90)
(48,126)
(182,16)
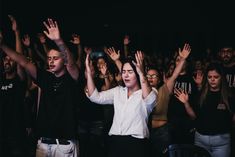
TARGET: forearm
(79,47)
(79,58)
(18,42)
(146,89)
(171,81)
(126,51)
(178,68)
(90,84)
(19,58)
(189,110)
(118,63)
(39,53)
(68,58)
(45,48)
(66,53)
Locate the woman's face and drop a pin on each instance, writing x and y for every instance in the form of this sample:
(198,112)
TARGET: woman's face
(214,80)
(129,76)
(100,63)
(153,77)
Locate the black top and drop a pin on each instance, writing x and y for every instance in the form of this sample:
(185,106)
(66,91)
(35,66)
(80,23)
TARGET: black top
(58,104)
(230,77)
(177,114)
(12,107)
(88,110)
(213,117)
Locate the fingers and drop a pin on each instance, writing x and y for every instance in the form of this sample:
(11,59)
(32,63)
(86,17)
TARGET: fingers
(177,91)
(45,32)
(139,57)
(187,47)
(51,24)
(11,18)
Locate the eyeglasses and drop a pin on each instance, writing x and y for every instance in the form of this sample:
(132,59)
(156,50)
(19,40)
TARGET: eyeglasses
(152,76)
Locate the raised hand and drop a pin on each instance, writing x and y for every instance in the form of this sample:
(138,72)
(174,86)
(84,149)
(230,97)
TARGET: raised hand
(185,52)
(104,69)
(198,77)
(53,29)
(181,95)
(75,39)
(13,23)
(126,40)
(114,55)
(42,38)
(26,40)
(139,62)
(87,50)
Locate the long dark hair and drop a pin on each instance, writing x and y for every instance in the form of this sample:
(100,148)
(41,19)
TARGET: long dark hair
(224,90)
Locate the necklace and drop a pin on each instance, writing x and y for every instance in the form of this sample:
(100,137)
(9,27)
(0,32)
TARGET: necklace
(56,85)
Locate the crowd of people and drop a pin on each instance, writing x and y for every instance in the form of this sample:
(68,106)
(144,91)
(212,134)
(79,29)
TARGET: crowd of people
(111,102)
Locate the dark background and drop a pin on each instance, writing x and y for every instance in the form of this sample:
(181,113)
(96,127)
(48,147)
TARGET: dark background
(153,26)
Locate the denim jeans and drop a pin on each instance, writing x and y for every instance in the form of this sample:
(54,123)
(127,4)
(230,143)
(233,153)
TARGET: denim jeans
(159,140)
(216,145)
(57,150)
(91,138)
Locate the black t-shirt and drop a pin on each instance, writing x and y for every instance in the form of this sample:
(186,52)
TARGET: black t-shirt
(12,106)
(213,117)
(88,111)
(58,105)
(177,114)
(230,77)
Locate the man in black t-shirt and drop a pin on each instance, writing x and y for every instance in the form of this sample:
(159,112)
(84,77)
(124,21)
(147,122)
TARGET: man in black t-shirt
(226,55)
(227,59)
(12,91)
(178,118)
(56,121)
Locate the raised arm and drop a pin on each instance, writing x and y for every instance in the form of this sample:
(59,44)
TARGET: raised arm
(146,89)
(54,34)
(19,59)
(183,56)
(42,40)
(18,48)
(76,41)
(126,42)
(16,30)
(90,82)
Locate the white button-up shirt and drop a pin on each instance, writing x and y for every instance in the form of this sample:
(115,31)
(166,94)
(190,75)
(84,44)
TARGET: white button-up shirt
(130,114)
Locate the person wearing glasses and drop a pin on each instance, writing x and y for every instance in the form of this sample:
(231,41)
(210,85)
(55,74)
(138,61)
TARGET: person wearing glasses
(159,134)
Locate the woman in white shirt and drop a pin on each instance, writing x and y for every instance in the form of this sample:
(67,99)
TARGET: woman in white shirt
(132,106)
